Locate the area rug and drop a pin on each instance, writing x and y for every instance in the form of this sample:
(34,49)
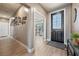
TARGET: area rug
(56,44)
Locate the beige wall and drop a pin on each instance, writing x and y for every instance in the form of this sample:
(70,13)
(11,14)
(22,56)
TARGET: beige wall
(67,23)
(20,31)
(75,26)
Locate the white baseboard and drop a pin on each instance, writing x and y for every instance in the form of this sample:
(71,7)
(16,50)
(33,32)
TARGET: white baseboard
(48,39)
(28,49)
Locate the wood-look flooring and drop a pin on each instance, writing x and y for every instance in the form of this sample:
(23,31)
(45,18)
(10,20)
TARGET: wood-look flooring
(10,47)
(42,49)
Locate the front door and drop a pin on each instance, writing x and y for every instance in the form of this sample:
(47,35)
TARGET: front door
(57,26)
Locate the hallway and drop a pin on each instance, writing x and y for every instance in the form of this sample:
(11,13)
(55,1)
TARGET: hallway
(33,27)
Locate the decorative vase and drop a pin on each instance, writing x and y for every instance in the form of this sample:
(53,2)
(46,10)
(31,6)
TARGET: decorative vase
(77,41)
(74,42)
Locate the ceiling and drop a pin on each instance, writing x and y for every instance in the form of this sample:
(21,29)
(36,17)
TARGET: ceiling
(8,9)
(52,6)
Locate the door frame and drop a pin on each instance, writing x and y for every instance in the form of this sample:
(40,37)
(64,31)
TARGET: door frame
(37,11)
(6,22)
(64,23)
(61,11)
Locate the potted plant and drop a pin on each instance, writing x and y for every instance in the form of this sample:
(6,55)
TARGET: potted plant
(75,38)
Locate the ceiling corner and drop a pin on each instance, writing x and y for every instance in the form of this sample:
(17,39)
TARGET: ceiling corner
(43,8)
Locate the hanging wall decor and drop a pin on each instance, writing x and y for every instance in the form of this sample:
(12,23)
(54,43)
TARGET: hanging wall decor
(24,20)
(75,10)
(19,20)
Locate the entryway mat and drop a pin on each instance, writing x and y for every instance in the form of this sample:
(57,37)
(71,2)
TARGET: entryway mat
(56,44)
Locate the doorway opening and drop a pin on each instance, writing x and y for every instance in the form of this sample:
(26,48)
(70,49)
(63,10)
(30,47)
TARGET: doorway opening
(57,26)
(57,30)
(4,28)
(39,25)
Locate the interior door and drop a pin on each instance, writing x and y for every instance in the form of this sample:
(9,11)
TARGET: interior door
(57,26)
(4,29)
